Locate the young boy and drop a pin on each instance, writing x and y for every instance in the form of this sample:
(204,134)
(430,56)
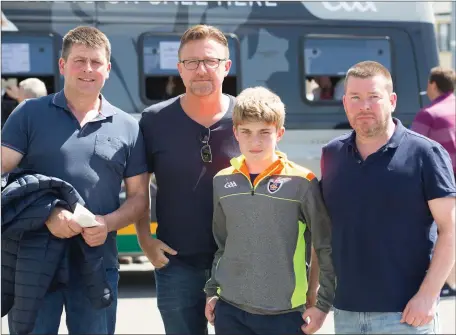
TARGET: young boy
(263,204)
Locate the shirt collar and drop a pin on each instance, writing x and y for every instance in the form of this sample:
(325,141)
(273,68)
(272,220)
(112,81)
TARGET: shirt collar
(398,134)
(107,109)
(238,162)
(440,98)
(393,142)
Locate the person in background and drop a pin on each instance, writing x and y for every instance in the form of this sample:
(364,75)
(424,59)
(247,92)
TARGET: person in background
(330,88)
(13,95)
(438,122)
(29,88)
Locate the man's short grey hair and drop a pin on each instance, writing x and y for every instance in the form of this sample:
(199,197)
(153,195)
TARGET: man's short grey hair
(33,88)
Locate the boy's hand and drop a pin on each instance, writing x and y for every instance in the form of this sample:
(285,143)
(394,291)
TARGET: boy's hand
(313,318)
(209,310)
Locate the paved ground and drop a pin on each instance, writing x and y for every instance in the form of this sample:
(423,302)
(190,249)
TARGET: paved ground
(138,314)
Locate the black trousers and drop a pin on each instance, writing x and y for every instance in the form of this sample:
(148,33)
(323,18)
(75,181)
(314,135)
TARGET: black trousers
(230,320)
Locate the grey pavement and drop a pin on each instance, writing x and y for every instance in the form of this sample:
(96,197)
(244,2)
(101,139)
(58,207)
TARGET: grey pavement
(138,314)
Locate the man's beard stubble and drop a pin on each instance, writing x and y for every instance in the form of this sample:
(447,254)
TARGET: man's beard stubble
(370,131)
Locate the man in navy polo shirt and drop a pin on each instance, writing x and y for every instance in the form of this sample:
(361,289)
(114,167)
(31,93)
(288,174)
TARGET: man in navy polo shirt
(384,185)
(78,136)
(188,139)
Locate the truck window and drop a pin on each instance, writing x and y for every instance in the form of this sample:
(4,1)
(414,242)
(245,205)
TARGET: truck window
(29,55)
(26,55)
(160,78)
(327,59)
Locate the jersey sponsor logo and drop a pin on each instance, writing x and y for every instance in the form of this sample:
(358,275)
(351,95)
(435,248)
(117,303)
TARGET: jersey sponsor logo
(274,184)
(230,184)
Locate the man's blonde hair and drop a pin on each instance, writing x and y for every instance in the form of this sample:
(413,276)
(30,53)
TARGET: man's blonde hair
(258,104)
(90,37)
(202,32)
(369,69)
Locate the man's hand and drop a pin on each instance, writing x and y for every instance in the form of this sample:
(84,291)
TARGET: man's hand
(96,236)
(209,310)
(61,224)
(313,318)
(155,250)
(420,310)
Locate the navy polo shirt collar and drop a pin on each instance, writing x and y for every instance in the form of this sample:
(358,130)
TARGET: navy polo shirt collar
(398,134)
(393,142)
(106,108)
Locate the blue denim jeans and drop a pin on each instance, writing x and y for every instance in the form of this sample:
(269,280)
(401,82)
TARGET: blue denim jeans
(346,322)
(81,317)
(181,299)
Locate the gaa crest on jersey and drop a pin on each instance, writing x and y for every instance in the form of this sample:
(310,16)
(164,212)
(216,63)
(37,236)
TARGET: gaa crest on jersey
(275,183)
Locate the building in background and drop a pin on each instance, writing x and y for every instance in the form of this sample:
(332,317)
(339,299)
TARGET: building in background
(445,12)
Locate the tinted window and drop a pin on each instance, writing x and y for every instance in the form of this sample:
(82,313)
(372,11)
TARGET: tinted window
(327,59)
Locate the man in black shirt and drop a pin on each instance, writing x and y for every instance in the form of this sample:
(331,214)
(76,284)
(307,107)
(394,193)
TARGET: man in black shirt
(189,138)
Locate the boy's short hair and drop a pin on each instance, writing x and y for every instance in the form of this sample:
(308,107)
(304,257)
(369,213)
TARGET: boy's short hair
(258,104)
(90,37)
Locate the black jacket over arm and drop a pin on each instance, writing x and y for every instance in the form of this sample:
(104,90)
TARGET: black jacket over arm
(33,260)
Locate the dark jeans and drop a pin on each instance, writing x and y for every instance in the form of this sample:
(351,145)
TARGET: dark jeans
(181,299)
(81,317)
(230,320)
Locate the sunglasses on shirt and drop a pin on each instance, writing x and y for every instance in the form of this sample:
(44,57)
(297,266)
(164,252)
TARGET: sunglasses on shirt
(206,153)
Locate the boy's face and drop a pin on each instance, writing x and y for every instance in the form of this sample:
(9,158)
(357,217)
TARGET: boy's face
(257,140)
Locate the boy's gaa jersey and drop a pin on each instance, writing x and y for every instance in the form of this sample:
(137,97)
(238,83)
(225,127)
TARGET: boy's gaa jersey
(259,228)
